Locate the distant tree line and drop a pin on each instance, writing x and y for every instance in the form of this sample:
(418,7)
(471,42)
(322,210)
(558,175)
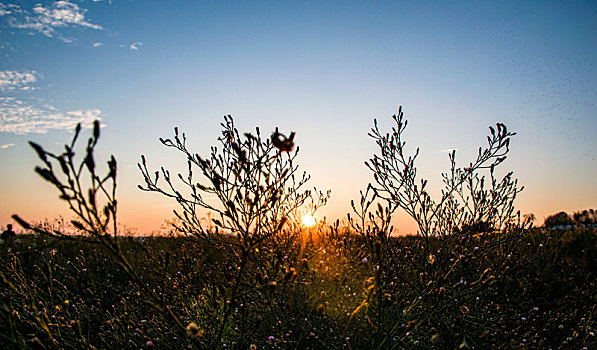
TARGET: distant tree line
(587,217)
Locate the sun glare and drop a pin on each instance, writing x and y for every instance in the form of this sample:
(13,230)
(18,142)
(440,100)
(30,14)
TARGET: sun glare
(308,220)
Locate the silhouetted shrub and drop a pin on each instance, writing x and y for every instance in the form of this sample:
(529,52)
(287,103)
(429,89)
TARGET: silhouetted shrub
(585,217)
(466,239)
(559,219)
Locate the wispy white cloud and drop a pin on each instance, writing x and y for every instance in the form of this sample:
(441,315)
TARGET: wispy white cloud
(136,46)
(19,117)
(46,20)
(449,150)
(98,44)
(7,9)
(5,146)
(11,80)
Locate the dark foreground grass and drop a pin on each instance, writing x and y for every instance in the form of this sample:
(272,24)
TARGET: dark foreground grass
(319,295)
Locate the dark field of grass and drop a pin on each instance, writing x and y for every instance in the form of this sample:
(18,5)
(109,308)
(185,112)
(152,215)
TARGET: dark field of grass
(298,293)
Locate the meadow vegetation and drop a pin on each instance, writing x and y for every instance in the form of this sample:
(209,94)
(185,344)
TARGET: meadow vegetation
(241,272)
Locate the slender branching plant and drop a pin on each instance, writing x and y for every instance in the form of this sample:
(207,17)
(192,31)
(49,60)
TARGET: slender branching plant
(92,198)
(251,188)
(473,218)
(465,201)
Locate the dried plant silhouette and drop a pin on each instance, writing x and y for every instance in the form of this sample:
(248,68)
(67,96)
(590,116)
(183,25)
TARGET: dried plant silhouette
(92,198)
(255,183)
(465,202)
(255,190)
(470,222)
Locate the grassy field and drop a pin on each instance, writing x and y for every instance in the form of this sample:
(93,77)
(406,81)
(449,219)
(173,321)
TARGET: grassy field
(294,292)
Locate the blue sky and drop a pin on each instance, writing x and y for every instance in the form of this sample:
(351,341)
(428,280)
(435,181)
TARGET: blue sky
(324,69)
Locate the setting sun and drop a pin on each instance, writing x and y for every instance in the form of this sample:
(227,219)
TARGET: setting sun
(308,220)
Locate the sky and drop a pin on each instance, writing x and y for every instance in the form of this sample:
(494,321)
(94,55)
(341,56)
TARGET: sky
(323,69)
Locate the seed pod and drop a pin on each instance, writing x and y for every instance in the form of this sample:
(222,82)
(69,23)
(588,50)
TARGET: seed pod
(89,162)
(40,151)
(112,165)
(63,165)
(78,225)
(96,129)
